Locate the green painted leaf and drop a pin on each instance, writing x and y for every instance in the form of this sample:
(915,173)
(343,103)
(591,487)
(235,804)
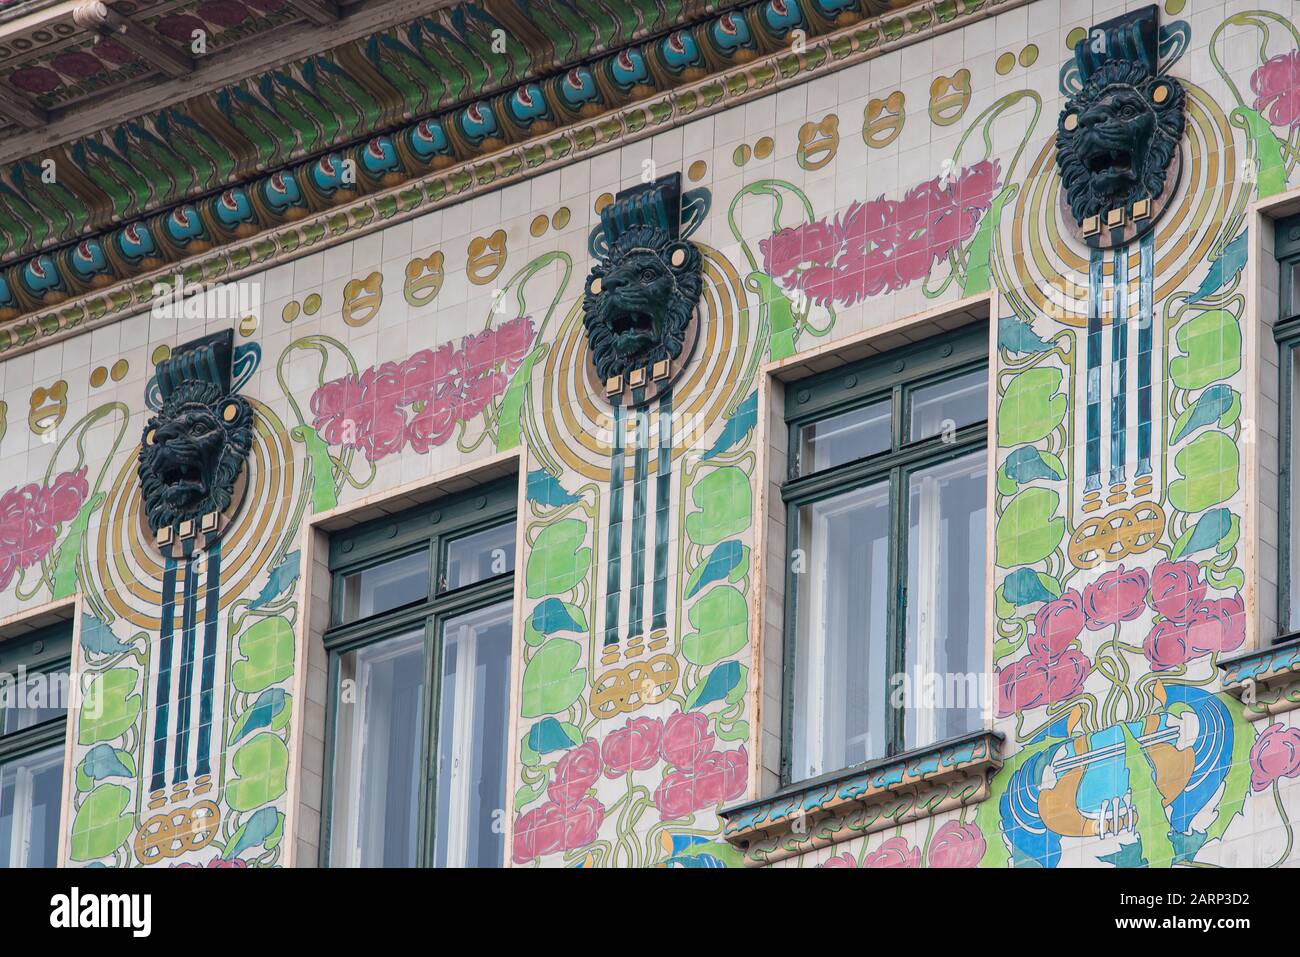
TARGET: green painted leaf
(557,562)
(1028,531)
(109,708)
(551,680)
(261,767)
(721,621)
(99,827)
(267,648)
(1209,465)
(1211,346)
(1032,407)
(723,501)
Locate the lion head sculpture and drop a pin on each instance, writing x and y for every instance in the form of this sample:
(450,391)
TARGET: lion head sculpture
(1117,136)
(640,299)
(192,452)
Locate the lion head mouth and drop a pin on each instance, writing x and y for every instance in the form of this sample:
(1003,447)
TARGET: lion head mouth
(183,477)
(633,329)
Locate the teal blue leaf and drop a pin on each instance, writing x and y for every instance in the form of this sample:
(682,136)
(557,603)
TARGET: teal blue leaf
(98,639)
(1186,846)
(256,830)
(553,615)
(1026,464)
(1224,269)
(1016,335)
(282,578)
(1024,586)
(268,704)
(716,686)
(550,735)
(545,490)
(1210,529)
(1128,855)
(105,761)
(726,556)
(1208,407)
(739,424)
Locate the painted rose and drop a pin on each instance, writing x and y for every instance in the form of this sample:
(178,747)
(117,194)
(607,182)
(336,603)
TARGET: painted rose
(575,774)
(634,747)
(30,516)
(1056,625)
(582,823)
(1166,646)
(957,845)
(675,795)
(1022,685)
(1116,596)
(685,740)
(1175,591)
(1217,625)
(1066,675)
(538,832)
(720,776)
(883,244)
(1277,89)
(1275,754)
(894,852)
(838,861)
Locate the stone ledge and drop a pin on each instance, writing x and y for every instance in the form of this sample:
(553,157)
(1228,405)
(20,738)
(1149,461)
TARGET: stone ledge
(1267,680)
(861,800)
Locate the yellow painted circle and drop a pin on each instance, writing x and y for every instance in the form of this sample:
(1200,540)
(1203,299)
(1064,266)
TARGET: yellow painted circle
(763,148)
(1005,63)
(697,170)
(160,354)
(311,305)
(1175,6)
(741,156)
(1074,36)
(539,225)
(290,312)
(1029,55)
(603,200)
(119,370)
(248,325)
(99,377)
(561,218)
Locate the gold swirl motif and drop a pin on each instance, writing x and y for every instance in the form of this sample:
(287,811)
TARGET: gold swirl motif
(1117,534)
(176,832)
(632,687)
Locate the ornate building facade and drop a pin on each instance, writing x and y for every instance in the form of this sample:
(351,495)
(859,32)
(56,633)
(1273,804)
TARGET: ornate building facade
(802,433)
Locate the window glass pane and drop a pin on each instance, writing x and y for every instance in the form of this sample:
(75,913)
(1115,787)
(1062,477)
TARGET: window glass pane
(841,572)
(382,587)
(42,697)
(1292,308)
(485,554)
(29,809)
(844,438)
(945,601)
(379,736)
(949,405)
(472,730)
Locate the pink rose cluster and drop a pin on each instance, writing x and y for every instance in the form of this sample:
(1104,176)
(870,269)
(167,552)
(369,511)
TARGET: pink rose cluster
(1190,625)
(29,519)
(420,400)
(954,845)
(701,777)
(1274,755)
(571,818)
(1277,89)
(881,245)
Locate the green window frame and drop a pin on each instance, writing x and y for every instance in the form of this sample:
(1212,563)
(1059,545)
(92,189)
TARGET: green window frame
(44,651)
(1286,248)
(892,378)
(429,530)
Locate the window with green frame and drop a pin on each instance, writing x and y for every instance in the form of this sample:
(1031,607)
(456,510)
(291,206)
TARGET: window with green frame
(419,656)
(34,690)
(885,522)
(1286,246)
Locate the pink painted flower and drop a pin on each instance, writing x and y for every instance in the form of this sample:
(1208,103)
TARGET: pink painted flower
(634,747)
(894,852)
(1277,89)
(675,795)
(35,79)
(720,776)
(582,823)
(1066,675)
(76,64)
(1275,754)
(1115,597)
(1057,624)
(1166,646)
(957,845)
(1217,625)
(1022,686)
(881,245)
(575,774)
(1175,589)
(838,861)
(550,828)
(30,516)
(686,739)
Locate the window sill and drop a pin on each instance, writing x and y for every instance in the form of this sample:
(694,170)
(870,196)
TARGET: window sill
(870,797)
(1267,680)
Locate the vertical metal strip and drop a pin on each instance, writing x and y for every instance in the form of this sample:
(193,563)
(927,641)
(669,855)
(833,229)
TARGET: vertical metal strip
(1119,369)
(162,697)
(185,683)
(1092,448)
(1146,336)
(640,480)
(211,610)
(614,551)
(663,491)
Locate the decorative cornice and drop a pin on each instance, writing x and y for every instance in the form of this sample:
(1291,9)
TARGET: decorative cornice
(887,793)
(385,195)
(1267,680)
